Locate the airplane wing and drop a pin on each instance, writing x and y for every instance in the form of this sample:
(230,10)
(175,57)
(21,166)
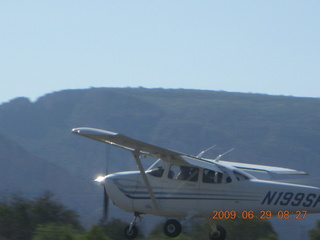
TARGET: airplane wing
(136,146)
(124,142)
(131,144)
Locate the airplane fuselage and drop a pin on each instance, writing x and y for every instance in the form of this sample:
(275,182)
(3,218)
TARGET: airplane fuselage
(179,198)
(183,186)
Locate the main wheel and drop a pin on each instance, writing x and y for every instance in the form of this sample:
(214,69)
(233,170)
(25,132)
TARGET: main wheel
(219,235)
(172,228)
(131,234)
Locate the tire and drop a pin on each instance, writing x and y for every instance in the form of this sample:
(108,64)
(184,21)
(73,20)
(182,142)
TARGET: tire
(220,235)
(132,234)
(172,228)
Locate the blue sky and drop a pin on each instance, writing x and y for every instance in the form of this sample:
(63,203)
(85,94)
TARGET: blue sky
(270,47)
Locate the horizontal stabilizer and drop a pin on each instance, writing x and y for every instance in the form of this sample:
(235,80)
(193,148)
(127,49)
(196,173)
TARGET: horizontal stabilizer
(313,182)
(264,168)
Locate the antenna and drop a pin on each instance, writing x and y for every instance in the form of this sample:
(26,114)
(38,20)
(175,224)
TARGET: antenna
(218,158)
(204,151)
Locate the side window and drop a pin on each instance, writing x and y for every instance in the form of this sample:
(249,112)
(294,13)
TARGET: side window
(210,176)
(184,173)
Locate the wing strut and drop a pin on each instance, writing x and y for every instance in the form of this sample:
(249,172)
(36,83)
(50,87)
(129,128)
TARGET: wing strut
(136,155)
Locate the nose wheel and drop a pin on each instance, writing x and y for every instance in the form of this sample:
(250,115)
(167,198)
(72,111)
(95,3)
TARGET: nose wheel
(172,228)
(131,231)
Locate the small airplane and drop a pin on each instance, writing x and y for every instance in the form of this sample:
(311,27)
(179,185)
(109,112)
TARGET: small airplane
(181,186)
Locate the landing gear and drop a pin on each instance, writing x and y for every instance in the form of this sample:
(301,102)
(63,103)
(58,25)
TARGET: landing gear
(172,228)
(219,233)
(131,231)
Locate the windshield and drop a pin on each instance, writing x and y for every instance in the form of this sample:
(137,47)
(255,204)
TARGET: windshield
(156,169)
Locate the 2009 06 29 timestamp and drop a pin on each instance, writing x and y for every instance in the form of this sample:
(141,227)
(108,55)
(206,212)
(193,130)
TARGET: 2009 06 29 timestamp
(285,214)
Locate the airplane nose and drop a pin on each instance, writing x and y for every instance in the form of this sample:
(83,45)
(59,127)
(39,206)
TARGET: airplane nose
(106,181)
(117,186)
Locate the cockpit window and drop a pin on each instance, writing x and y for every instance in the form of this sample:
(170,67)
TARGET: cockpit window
(210,176)
(184,173)
(239,176)
(156,169)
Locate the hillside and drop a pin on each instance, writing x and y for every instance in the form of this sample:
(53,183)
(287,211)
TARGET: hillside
(25,174)
(263,129)
(275,130)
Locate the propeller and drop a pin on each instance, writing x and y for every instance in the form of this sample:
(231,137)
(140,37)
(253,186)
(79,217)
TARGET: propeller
(105,205)
(101,181)
(105,194)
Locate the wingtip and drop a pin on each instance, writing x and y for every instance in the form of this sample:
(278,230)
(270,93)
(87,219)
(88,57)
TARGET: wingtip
(75,130)
(92,131)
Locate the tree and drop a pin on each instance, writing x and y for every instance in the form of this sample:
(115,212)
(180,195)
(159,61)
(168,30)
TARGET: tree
(54,231)
(314,233)
(115,229)
(15,219)
(96,233)
(20,217)
(45,209)
(249,229)
(5,220)
(270,236)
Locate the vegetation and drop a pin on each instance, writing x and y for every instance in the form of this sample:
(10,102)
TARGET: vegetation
(237,229)
(314,233)
(54,231)
(44,218)
(21,218)
(253,229)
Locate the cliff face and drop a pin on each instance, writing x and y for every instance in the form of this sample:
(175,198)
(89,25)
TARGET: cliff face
(38,152)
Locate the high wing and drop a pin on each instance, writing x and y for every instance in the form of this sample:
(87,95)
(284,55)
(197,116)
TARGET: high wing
(175,157)
(125,142)
(131,144)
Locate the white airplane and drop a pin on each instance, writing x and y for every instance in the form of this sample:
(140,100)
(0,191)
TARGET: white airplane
(181,186)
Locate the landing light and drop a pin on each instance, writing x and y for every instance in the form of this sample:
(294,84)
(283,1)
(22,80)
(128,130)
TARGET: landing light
(100,179)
